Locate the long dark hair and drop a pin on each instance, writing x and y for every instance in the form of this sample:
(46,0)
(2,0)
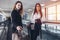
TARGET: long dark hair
(21,10)
(35,10)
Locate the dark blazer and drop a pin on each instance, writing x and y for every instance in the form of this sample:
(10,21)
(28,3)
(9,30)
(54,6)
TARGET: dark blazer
(16,20)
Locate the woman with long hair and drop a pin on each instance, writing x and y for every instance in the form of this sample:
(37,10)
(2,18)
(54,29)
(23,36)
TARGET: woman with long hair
(36,22)
(16,16)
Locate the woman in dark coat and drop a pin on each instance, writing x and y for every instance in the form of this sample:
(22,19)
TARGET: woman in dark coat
(17,17)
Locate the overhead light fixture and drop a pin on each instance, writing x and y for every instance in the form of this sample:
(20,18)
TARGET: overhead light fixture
(54,0)
(42,4)
(30,9)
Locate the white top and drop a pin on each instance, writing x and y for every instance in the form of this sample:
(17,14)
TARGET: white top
(35,16)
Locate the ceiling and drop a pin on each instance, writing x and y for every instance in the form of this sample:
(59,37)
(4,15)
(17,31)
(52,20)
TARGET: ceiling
(27,4)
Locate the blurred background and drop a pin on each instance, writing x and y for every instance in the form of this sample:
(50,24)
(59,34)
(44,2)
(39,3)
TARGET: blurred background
(50,19)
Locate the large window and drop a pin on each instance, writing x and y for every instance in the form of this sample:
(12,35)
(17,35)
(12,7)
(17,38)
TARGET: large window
(58,12)
(51,13)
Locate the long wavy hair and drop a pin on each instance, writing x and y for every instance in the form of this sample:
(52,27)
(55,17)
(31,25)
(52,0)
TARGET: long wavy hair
(21,9)
(35,10)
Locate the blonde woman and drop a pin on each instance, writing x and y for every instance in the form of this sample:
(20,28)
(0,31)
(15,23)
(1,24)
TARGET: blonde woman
(17,19)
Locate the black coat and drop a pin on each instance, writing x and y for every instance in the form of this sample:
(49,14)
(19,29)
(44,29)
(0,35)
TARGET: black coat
(16,20)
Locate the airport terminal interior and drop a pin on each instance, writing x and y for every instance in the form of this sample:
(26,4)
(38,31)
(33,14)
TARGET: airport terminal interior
(50,19)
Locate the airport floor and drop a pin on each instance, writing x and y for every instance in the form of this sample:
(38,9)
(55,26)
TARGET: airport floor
(45,36)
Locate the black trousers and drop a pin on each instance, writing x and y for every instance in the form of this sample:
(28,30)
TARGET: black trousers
(38,29)
(36,32)
(33,35)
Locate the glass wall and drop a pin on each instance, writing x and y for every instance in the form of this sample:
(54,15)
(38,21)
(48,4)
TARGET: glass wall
(53,13)
(58,12)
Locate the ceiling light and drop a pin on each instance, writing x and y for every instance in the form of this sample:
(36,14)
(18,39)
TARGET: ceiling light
(30,9)
(53,0)
(42,4)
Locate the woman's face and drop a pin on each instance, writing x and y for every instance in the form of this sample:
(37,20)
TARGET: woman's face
(18,6)
(37,7)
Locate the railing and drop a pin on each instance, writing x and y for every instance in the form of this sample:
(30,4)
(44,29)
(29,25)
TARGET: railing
(52,28)
(5,27)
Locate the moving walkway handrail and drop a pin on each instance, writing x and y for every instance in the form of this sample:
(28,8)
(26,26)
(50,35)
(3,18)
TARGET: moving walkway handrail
(3,30)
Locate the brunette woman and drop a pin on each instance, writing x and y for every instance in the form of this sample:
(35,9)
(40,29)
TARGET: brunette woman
(36,22)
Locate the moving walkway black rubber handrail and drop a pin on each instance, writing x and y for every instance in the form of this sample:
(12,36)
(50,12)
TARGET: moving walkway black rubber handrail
(4,30)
